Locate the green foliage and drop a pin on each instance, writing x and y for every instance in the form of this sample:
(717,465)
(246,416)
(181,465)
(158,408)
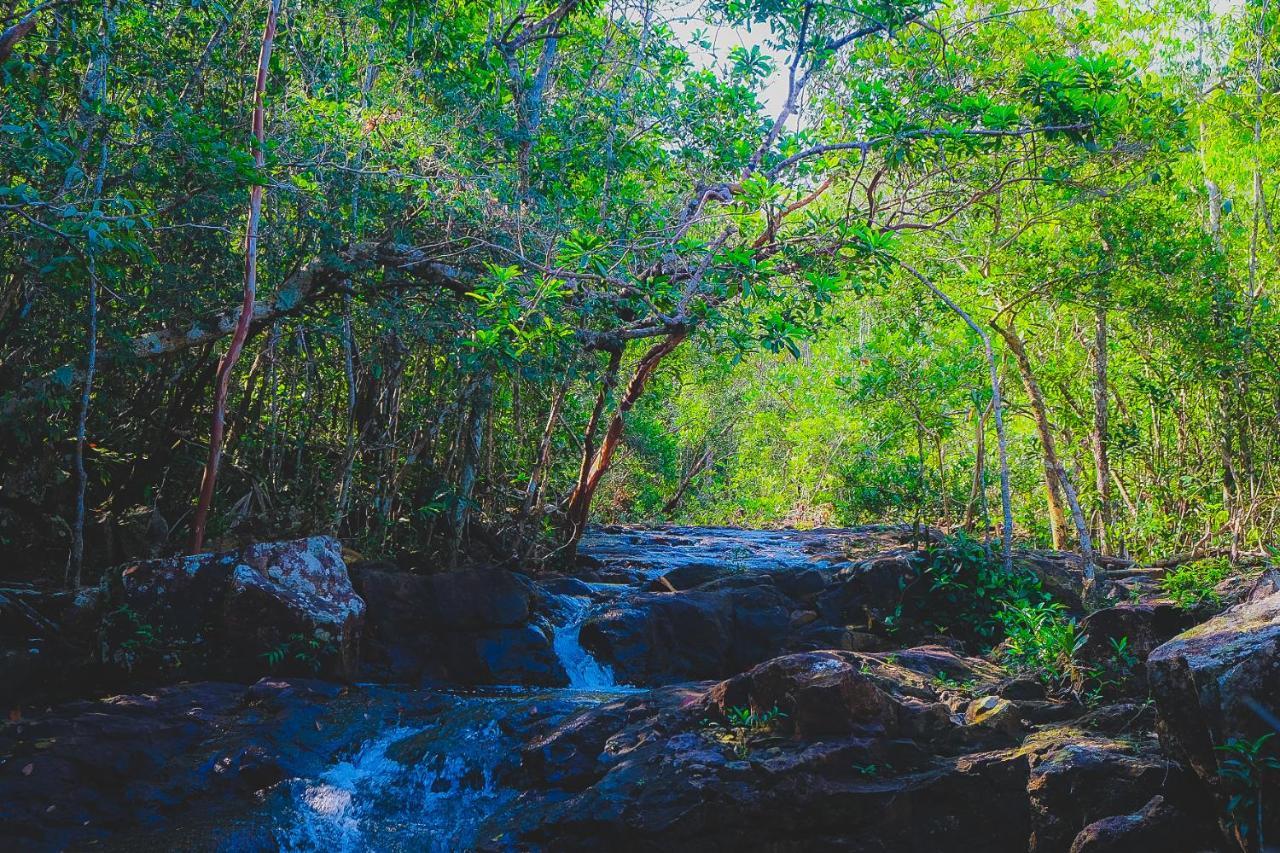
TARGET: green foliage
(742,729)
(1247,769)
(1043,639)
(968,592)
(300,652)
(624,182)
(1193,584)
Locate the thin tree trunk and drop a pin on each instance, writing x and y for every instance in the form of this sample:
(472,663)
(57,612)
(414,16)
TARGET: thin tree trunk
(75,565)
(228,362)
(1054,469)
(607,383)
(979,467)
(1100,436)
(481,395)
(997,406)
(349,452)
(1052,483)
(699,465)
(578,507)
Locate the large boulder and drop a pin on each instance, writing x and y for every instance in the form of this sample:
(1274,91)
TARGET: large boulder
(659,638)
(467,627)
(1118,640)
(1217,682)
(283,607)
(1078,778)
(48,643)
(1155,826)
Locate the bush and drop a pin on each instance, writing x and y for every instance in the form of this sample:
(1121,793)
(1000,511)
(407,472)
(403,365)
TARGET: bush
(1042,638)
(1192,584)
(968,591)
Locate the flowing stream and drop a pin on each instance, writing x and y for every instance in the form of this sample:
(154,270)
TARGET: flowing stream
(435,784)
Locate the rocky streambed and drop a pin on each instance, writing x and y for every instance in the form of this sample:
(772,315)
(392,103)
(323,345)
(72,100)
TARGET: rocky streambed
(684,688)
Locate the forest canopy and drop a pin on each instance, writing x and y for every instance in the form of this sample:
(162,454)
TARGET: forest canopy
(524,265)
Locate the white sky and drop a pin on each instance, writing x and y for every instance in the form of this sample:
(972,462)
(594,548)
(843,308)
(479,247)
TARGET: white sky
(685,17)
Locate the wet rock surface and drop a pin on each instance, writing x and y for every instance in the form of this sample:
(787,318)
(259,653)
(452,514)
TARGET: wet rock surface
(688,689)
(284,606)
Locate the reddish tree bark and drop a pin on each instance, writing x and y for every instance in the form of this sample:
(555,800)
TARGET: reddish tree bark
(578,508)
(228,361)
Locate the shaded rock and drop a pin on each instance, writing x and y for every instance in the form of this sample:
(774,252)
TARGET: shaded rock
(469,627)
(821,693)
(656,638)
(1077,778)
(802,584)
(1119,639)
(869,591)
(284,606)
(48,642)
(1156,826)
(1211,681)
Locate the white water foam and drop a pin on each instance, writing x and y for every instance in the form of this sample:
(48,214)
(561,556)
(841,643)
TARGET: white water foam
(585,672)
(373,801)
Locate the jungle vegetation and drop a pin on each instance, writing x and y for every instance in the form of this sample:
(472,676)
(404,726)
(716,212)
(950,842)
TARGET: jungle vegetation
(450,279)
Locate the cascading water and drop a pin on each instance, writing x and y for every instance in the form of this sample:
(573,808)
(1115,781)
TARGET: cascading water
(411,787)
(585,672)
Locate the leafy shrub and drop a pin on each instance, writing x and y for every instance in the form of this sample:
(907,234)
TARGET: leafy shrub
(299,652)
(1192,584)
(967,591)
(1243,770)
(1042,638)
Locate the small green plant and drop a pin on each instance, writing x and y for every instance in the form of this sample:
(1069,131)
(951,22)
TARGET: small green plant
(1042,638)
(946,682)
(1243,770)
(742,728)
(871,769)
(1122,655)
(309,652)
(1193,584)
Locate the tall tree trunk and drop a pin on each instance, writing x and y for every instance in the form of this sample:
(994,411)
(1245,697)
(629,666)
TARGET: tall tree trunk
(997,407)
(1054,469)
(1049,459)
(228,362)
(979,466)
(349,451)
(1099,436)
(75,563)
(481,396)
(578,506)
(1222,313)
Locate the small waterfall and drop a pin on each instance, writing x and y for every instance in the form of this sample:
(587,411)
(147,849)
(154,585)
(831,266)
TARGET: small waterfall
(408,788)
(585,672)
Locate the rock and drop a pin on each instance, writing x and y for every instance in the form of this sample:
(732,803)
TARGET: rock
(1217,681)
(102,766)
(467,627)
(1119,639)
(691,575)
(830,693)
(659,638)
(1077,778)
(49,643)
(802,584)
(1156,826)
(1062,576)
(869,591)
(276,606)
(994,713)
